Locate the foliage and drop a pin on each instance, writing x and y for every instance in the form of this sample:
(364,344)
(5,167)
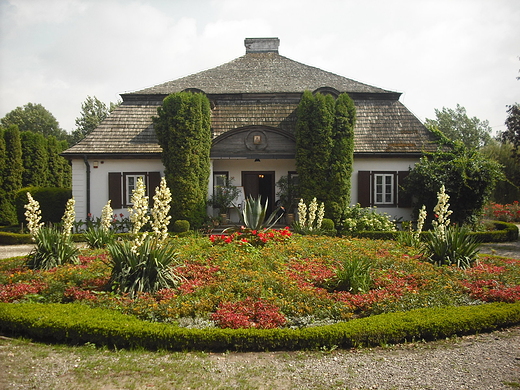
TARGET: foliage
(324,149)
(52,202)
(503,212)
(353,275)
(146,268)
(183,130)
(145,264)
(93,112)
(512,134)
(359,218)
(11,175)
(102,235)
(224,196)
(248,313)
(288,192)
(52,249)
(59,167)
(457,126)
(35,118)
(255,212)
(447,244)
(255,238)
(506,190)
(35,159)
(467,175)
(181,226)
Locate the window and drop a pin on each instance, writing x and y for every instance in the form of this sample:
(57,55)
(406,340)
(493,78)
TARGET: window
(122,184)
(220,179)
(382,189)
(130,183)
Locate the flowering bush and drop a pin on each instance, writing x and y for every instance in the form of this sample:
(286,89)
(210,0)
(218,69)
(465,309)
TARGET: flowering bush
(248,314)
(499,212)
(309,223)
(255,238)
(359,219)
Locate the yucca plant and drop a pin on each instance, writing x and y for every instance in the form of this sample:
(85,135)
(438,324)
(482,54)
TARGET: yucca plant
(456,247)
(52,249)
(254,214)
(353,275)
(98,238)
(147,268)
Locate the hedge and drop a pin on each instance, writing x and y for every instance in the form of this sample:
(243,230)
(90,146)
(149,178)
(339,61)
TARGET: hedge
(504,232)
(52,202)
(75,324)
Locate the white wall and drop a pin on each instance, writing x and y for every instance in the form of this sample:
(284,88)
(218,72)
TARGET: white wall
(99,181)
(382,164)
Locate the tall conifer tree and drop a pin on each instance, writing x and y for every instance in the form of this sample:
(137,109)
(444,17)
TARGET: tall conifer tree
(184,133)
(12,174)
(35,159)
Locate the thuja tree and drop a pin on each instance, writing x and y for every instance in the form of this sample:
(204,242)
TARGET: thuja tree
(342,157)
(324,150)
(468,176)
(11,175)
(35,160)
(183,130)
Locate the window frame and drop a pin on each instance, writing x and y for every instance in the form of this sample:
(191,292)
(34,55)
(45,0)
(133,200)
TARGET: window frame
(127,194)
(367,189)
(384,189)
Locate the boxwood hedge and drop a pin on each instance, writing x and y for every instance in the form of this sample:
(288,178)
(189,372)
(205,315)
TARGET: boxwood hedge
(75,323)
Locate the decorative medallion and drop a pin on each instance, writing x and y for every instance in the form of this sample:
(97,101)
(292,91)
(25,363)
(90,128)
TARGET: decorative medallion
(256,140)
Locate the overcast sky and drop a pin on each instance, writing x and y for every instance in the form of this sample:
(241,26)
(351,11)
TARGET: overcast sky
(438,53)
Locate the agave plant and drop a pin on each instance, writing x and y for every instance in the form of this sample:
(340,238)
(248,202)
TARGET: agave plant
(254,214)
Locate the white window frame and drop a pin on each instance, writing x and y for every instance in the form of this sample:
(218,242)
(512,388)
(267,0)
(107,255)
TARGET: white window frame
(384,191)
(128,188)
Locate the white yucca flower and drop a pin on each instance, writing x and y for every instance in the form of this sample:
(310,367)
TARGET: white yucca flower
(420,222)
(33,216)
(106,216)
(321,214)
(68,218)
(442,213)
(160,210)
(302,213)
(313,207)
(138,212)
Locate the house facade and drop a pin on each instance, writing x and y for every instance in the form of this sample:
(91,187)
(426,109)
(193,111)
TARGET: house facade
(253,101)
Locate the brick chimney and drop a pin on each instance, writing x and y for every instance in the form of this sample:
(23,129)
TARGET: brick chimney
(262,45)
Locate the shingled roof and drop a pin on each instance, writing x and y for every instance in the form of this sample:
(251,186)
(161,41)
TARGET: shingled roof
(259,88)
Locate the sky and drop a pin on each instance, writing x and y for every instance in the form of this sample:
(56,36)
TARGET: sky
(437,53)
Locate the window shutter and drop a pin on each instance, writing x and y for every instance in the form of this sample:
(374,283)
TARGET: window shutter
(115,193)
(154,181)
(403,199)
(364,193)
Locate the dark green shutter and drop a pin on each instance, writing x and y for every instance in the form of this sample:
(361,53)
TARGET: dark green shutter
(115,190)
(364,193)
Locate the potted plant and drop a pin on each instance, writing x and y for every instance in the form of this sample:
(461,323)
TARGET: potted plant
(288,196)
(223,197)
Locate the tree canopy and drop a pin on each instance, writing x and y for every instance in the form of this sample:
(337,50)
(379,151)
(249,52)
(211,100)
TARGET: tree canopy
(93,112)
(35,118)
(512,132)
(457,126)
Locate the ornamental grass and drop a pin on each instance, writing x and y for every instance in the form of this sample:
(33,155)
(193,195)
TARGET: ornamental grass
(296,282)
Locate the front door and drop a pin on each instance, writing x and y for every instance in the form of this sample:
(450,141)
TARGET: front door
(260,183)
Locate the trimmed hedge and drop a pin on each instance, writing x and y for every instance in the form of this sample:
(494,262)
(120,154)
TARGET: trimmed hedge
(52,202)
(75,323)
(504,232)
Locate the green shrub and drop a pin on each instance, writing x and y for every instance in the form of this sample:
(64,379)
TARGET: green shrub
(181,226)
(359,219)
(52,202)
(79,324)
(15,239)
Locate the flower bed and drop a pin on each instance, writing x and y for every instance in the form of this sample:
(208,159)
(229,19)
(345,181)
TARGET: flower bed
(281,283)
